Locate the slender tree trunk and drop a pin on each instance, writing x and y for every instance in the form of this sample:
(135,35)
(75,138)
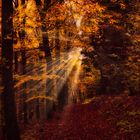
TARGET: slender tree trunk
(23,61)
(37,109)
(48,58)
(24,86)
(16,61)
(8,97)
(47,52)
(45,44)
(57,43)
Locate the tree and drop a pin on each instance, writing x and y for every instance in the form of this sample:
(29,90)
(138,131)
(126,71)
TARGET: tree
(115,53)
(8,97)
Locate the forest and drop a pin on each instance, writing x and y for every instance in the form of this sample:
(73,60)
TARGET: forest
(69,70)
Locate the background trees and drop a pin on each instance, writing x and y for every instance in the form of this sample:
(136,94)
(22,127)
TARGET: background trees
(132,29)
(112,48)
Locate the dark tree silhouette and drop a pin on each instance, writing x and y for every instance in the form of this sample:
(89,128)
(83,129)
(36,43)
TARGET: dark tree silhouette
(8,97)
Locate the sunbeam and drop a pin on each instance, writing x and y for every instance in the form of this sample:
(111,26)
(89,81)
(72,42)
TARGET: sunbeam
(59,72)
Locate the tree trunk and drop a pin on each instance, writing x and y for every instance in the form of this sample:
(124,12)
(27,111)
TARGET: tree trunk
(57,43)
(16,62)
(47,52)
(24,86)
(8,97)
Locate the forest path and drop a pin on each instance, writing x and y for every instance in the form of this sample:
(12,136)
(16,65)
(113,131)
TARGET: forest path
(104,118)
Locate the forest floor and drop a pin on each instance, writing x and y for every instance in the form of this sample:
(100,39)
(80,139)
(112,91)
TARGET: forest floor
(100,118)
